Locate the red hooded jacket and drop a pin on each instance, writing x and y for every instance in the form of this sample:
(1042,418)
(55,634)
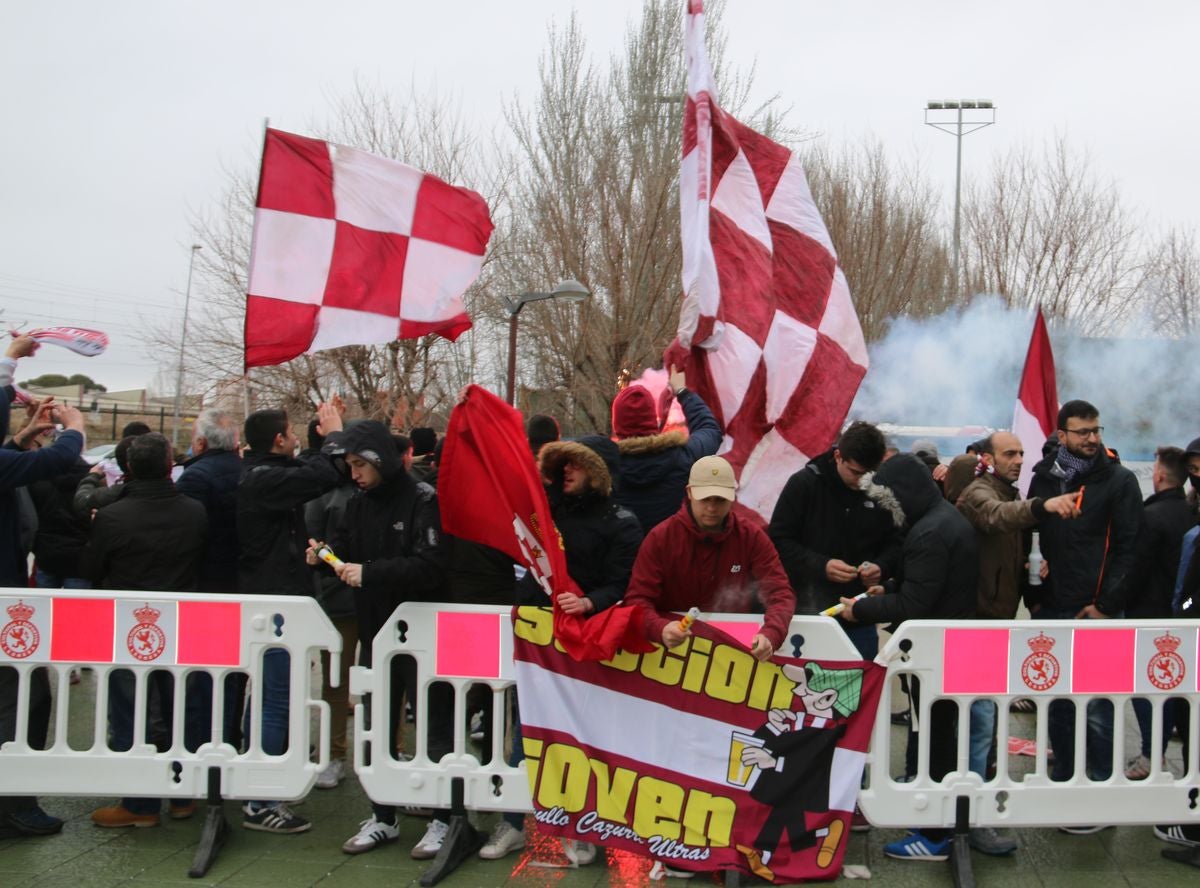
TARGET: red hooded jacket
(680,566)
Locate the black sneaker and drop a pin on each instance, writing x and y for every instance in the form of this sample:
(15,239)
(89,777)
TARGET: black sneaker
(273,819)
(32,822)
(1178,835)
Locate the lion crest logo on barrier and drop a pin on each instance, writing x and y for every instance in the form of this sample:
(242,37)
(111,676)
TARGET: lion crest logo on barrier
(20,638)
(146,640)
(1041,669)
(1166,669)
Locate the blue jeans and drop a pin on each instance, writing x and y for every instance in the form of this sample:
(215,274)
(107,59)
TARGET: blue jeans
(46,580)
(1061,726)
(865,637)
(276,700)
(160,699)
(516,755)
(983,734)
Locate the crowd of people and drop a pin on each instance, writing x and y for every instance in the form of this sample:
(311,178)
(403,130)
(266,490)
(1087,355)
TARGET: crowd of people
(648,517)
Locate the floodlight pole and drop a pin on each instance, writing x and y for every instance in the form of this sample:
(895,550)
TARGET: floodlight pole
(187,298)
(955,128)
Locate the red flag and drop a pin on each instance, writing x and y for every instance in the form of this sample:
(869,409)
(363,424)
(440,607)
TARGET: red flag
(353,249)
(489,492)
(776,349)
(1036,413)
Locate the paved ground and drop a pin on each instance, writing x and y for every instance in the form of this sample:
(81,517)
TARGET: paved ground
(84,856)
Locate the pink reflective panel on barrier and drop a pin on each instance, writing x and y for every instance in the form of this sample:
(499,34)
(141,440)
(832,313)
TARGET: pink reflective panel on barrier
(468,644)
(975,661)
(210,633)
(744,632)
(1103,661)
(82,630)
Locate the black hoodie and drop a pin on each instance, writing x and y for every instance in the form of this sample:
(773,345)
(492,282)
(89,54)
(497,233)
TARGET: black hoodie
(393,530)
(939,568)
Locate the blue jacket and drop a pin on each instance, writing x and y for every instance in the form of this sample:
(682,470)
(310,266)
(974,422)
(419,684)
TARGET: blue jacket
(17,469)
(212,480)
(655,468)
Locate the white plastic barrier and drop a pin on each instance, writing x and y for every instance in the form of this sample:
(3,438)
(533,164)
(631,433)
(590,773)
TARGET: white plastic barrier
(1077,661)
(181,634)
(469,645)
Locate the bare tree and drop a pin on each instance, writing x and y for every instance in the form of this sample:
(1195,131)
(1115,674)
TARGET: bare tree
(597,199)
(1045,230)
(1171,291)
(883,222)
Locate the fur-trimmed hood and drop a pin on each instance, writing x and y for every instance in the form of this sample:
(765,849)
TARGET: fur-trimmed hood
(651,443)
(911,484)
(556,454)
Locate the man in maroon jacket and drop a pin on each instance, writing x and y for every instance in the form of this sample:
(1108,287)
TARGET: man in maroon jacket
(705,556)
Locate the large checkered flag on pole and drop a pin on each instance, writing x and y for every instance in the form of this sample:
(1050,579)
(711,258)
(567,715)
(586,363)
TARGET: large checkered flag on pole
(354,249)
(775,346)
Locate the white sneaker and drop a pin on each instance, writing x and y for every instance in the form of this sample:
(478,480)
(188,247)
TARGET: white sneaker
(505,839)
(579,853)
(331,775)
(476,726)
(431,842)
(371,834)
(661,871)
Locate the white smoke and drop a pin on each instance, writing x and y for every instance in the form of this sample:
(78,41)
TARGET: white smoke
(963,368)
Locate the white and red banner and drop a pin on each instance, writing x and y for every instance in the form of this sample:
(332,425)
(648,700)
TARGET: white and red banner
(776,349)
(1036,413)
(354,249)
(700,757)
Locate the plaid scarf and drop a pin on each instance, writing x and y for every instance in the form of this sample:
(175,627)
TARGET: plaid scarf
(1069,465)
(982,468)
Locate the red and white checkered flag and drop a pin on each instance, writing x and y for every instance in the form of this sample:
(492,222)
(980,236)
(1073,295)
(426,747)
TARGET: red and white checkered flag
(354,249)
(775,345)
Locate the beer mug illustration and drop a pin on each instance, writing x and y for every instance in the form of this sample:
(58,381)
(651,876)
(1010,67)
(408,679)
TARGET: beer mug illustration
(740,774)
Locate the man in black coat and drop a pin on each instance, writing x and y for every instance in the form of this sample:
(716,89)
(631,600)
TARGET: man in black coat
(151,538)
(211,478)
(272,539)
(835,540)
(1091,561)
(1167,517)
(939,580)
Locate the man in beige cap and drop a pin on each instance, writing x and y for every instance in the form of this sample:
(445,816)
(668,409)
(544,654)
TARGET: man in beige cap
(705,556)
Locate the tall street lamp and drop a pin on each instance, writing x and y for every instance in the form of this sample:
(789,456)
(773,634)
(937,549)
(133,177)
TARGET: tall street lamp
(187,298)
(955,125)
(566,290)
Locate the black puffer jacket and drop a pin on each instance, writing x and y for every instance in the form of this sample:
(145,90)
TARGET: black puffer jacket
(601,538)
(1091,558)
(939,570)
(270,520)
(655,468)
(61,533)
(816,518)
(393,530)
(1167,517)
(212,480)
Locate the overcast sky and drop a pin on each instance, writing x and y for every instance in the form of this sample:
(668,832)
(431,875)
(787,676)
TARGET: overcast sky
(119,116)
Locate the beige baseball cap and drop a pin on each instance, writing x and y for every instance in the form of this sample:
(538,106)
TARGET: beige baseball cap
(712,476)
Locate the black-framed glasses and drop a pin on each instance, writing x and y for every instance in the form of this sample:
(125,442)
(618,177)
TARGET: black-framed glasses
(1095,431)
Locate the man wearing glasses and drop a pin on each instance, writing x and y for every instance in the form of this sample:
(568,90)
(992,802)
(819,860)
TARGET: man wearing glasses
(1090,560)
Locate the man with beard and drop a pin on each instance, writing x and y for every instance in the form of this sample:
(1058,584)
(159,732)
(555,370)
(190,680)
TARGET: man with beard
(1091,562)
(992,505)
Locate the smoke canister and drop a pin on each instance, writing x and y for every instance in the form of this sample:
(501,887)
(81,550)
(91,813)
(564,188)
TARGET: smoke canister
(326,554)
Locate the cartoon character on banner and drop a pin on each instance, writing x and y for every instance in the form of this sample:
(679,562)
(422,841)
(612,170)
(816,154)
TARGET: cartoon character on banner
(793,754)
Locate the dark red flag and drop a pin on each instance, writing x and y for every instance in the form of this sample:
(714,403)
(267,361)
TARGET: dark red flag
(490,492)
